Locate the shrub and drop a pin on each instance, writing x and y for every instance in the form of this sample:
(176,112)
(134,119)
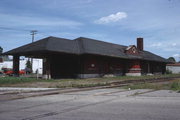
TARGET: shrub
(168,71)
(175,85)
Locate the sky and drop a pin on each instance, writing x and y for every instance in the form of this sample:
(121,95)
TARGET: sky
(115,21)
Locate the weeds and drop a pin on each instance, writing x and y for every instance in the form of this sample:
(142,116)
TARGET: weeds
(175,85)
(147,86)
(91,82)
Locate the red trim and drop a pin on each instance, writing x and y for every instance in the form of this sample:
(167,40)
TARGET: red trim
(136,66)
(176,64)
(134,71)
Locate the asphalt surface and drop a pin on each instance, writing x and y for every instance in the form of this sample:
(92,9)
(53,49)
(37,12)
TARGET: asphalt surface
(24,89)
(99,104)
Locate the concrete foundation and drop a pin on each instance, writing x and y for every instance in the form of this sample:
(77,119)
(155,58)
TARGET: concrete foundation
(133,74)
(88,75)
(46,76)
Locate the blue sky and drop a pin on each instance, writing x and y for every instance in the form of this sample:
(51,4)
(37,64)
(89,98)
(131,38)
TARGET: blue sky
(116,21)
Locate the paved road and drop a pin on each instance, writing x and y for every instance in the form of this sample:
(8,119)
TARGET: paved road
(24,89)
(99,104)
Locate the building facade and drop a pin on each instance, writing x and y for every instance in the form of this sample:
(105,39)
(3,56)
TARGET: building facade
(86,58)
(174,68)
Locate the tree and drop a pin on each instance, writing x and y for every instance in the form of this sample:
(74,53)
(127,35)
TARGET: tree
(28,66)
(171,59)
(1,50)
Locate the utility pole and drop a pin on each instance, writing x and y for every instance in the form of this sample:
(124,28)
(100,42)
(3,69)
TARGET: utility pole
(33,32)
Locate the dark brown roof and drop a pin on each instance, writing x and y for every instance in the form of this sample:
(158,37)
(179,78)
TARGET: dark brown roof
(47,44)
(175,64)
(80,46)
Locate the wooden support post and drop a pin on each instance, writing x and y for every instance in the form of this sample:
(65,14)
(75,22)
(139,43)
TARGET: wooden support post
(46,68)
(148,67)
(16,65)
(163,68)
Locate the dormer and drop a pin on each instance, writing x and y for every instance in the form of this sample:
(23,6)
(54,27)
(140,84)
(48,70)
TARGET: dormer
(131,50)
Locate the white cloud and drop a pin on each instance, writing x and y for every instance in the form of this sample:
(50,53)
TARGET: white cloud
(156,45)
(165,46)
(15,20)
(174,44)
(111,18)
(176,55)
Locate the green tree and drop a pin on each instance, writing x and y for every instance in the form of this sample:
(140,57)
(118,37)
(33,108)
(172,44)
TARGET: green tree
(172,59)
(1,50)
(28,66)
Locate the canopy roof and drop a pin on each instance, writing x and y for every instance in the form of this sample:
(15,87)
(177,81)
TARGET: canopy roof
(80,46)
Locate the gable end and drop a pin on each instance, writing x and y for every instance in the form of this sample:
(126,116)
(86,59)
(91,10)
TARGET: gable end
(132,50)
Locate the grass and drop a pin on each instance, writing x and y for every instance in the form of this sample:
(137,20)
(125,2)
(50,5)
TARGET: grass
(147,86)
(173,85)
(14,80)
(64,83)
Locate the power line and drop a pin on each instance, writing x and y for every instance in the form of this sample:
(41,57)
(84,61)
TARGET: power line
(14,29)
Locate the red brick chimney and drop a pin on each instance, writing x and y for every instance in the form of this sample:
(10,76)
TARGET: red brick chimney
(140,44)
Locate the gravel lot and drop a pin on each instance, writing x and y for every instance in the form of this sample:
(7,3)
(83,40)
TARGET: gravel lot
(99,104)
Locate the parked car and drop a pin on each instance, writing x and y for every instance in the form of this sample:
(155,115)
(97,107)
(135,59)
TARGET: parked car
(1,73)
(22,72)
(10,72)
